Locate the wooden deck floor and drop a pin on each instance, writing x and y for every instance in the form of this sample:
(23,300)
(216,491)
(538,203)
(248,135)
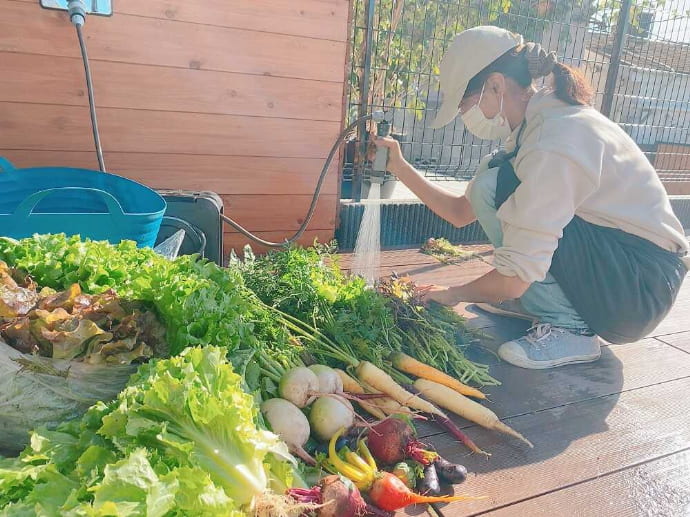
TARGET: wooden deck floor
(612,438)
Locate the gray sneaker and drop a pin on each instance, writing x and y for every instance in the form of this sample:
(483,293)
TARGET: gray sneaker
(546,346)
(509,308)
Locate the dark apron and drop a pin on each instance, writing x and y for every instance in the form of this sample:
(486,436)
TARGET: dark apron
(620,284)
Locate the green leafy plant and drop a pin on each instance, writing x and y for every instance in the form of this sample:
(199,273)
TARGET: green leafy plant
(181,439)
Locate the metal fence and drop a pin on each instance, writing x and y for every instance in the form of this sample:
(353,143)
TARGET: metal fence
(635,53)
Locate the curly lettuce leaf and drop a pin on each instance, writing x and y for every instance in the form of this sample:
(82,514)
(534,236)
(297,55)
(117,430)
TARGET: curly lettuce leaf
(199,302)
(182,439)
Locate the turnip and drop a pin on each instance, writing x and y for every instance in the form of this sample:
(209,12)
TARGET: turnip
(329,380)
(329,414)
(288,422)
(299,386)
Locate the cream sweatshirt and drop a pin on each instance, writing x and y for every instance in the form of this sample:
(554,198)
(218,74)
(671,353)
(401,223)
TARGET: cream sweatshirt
(574,161)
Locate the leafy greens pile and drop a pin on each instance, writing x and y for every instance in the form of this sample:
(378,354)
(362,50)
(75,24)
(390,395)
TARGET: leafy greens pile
(368,324)
(198,302)
(98,329)
(180,440)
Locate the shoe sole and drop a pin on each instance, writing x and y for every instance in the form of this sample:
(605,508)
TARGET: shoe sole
(487,307)
(545,365)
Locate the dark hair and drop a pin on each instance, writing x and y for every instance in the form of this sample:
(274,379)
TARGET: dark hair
(525,63)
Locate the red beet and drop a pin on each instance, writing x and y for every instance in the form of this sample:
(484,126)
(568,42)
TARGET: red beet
(393,440)
(339,497)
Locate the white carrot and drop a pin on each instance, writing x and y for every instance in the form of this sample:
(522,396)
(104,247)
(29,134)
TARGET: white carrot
(381,381)
(453,401)
(384,383)
(350,385)
(387,404)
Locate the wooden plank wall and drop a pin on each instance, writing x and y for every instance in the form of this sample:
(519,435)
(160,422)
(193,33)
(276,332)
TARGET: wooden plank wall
(243,98)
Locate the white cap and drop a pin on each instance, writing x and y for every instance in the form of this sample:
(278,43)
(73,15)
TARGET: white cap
(470,52)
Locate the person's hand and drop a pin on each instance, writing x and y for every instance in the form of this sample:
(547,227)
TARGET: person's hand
(439,294)
(396,161)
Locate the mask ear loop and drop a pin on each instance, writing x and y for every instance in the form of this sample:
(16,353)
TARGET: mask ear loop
(481,95)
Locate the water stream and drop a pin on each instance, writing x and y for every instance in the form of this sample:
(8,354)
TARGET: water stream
(367,262)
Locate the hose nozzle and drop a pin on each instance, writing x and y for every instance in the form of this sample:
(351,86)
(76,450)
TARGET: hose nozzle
(76,9)
(377,116)
(379,166)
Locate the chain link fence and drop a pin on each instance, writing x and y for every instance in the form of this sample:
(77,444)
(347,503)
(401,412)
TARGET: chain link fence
(635,53)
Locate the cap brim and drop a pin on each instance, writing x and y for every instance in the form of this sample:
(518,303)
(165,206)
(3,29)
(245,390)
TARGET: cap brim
(450,107)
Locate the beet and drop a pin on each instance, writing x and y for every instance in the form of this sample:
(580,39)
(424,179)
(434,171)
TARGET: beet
(393,440)
(338,496)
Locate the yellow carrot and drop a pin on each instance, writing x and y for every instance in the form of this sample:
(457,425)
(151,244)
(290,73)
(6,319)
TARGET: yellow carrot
(350,385)
(381,381)
(407,364)
(459,404)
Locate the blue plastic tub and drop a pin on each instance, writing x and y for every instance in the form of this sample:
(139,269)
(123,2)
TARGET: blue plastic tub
(83,202)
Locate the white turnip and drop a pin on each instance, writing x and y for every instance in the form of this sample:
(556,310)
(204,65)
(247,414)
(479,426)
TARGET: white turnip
(299,386)
(329,414)
(329,380)
(288,422)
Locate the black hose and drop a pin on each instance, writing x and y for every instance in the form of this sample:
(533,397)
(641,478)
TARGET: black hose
(315,199)
(92,102)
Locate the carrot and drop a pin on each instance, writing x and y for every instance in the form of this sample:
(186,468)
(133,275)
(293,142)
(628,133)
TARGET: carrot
(381,381)
(389,493)
(352,386)
(407,364)
(386,404)
(456,433)
(385,490)
(451,428)
(466,408)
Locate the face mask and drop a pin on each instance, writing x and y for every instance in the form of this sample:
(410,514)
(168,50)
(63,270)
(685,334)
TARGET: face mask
(486,128)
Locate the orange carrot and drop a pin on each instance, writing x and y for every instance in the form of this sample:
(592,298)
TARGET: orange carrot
(389,493)
(407,364)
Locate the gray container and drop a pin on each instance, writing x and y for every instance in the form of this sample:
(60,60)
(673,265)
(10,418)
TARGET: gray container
(198,213)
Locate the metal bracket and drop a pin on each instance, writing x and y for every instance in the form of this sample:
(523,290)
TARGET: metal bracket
(97,7)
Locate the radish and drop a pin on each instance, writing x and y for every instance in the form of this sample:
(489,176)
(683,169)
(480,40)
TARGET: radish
(329,380)
(288,422)
(393,440)
(299,386)
(329,414)
(337,497)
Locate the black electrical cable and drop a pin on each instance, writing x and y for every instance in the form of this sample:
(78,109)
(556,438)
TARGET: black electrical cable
(92,102)
(317,192)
